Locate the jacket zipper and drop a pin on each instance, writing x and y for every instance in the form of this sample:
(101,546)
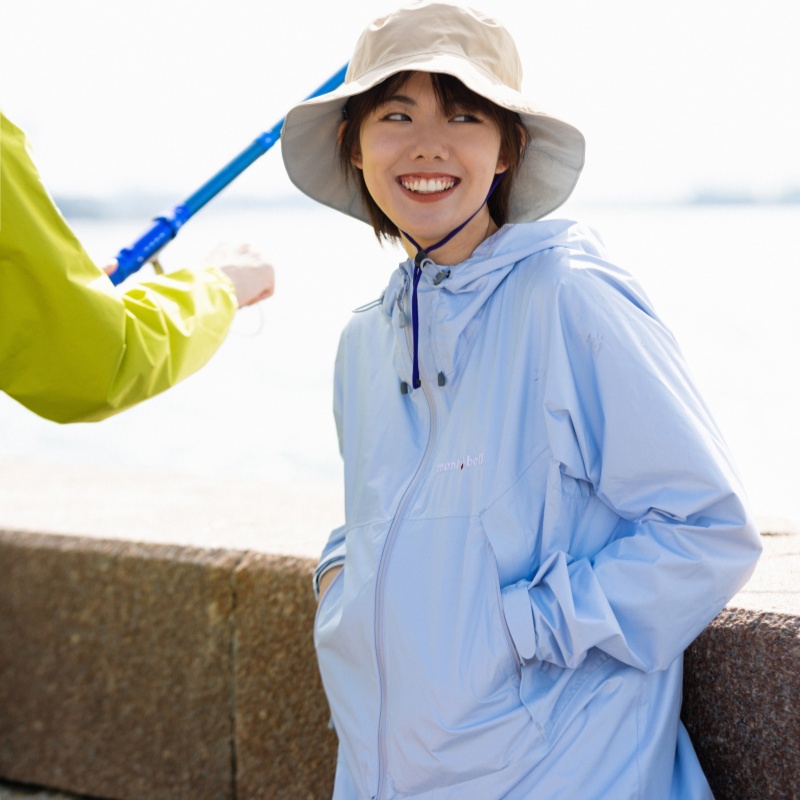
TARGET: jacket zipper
(383,568)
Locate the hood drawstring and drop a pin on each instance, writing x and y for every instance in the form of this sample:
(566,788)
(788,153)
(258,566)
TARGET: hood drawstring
(421,261)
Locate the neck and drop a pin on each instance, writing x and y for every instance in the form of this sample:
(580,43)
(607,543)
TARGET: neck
(460,247)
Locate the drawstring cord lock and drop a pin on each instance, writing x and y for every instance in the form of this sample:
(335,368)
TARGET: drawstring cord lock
(423,262)
(440,276)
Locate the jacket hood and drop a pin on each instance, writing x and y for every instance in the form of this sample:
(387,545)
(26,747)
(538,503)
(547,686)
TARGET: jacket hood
(451,298)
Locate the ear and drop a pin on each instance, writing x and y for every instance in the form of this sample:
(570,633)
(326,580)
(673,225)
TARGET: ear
(503,161)
(523,138)
(355,154)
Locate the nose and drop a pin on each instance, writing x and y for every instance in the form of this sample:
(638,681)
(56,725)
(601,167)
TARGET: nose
(430,144)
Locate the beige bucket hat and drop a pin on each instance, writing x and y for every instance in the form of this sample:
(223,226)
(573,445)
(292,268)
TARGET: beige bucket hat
(434,36)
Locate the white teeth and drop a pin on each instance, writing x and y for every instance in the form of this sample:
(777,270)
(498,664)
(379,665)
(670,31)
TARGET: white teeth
(430,186)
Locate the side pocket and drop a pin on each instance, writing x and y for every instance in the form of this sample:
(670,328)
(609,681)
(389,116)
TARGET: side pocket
(512,650)
(555,695)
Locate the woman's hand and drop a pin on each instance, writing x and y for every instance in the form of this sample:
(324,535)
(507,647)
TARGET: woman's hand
(326,580)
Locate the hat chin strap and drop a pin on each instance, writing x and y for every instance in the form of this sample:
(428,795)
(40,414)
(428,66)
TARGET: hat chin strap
(419,262)
(423,253)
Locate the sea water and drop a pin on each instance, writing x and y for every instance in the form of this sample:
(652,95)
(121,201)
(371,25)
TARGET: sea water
(725,279)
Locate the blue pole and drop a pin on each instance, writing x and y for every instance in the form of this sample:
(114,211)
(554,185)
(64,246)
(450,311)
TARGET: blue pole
(165,228)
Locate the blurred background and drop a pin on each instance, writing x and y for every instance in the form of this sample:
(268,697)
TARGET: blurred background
(692,119)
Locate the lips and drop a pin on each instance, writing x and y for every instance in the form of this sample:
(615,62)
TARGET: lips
(421,185)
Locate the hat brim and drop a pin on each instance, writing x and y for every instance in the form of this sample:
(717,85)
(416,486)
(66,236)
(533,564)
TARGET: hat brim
(552,163)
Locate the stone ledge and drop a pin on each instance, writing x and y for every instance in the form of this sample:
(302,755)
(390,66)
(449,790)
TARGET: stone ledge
(284,747)
(741,704)
(115,667)
(132,671)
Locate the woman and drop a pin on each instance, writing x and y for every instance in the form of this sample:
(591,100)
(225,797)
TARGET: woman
(540,513)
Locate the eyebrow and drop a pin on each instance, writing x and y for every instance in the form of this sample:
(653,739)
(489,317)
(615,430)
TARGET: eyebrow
(399,98)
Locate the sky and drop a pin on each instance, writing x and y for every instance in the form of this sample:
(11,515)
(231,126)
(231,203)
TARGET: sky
(674,98)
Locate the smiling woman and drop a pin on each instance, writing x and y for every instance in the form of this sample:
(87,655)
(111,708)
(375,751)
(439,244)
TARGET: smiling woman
(450,104)
(430,172)
(485,619)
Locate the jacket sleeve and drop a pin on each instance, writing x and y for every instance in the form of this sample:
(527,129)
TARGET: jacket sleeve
(623,416)
(72,346)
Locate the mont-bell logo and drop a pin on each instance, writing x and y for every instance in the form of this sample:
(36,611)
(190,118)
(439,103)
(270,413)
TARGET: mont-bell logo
(460,464)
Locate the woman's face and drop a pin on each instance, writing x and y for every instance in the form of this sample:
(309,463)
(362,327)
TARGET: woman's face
(429,172)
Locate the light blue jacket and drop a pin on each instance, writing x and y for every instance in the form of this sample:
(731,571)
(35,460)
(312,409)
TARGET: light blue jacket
(530,547)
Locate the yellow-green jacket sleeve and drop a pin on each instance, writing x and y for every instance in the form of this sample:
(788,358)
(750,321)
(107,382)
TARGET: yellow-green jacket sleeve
(72,346)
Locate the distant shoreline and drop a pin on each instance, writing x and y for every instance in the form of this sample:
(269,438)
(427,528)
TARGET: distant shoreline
(145,204)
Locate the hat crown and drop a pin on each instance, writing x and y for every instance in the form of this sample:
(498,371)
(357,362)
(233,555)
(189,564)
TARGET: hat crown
(434,36)
(431,28)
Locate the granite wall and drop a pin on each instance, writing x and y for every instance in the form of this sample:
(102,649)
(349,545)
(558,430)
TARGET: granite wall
(132,671)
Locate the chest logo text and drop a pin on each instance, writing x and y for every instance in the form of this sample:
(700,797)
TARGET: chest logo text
(460,464)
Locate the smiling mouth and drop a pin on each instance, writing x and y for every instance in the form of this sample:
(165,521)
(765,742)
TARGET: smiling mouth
(428,186)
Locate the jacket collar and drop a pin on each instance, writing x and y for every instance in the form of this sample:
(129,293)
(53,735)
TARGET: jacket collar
(449,308)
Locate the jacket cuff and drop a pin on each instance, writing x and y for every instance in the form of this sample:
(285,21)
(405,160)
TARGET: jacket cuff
(335,559)
(519,618)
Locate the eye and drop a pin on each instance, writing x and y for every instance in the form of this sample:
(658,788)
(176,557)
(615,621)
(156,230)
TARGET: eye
(465,116)
(396,116)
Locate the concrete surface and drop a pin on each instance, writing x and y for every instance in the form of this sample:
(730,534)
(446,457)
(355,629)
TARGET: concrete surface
(284,747)
(116,667)
(741,704)
(286,518)
(775,584)
(131,671)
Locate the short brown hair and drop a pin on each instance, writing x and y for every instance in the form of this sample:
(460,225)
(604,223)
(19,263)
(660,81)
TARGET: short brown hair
(451,95)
